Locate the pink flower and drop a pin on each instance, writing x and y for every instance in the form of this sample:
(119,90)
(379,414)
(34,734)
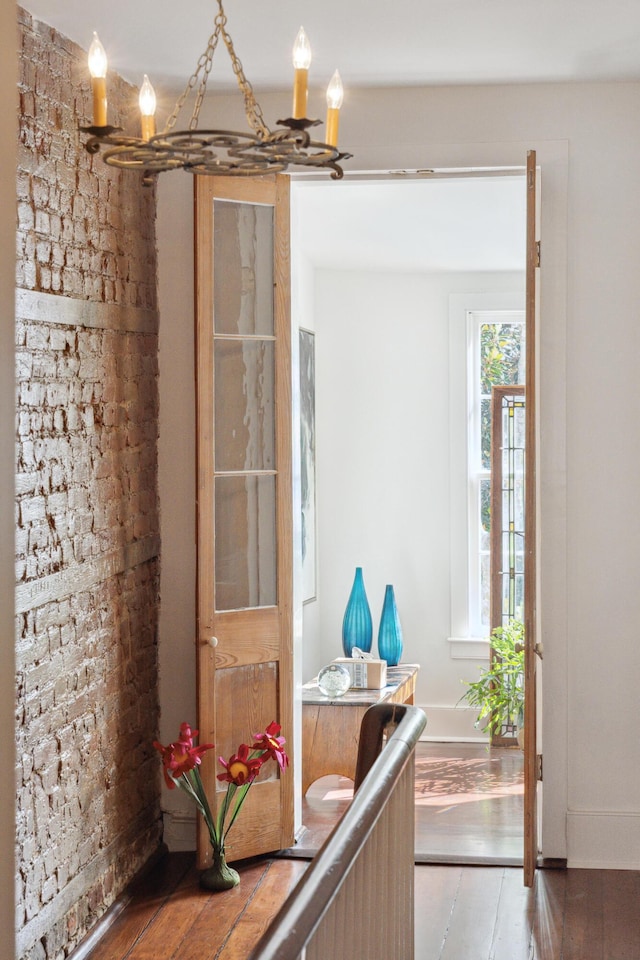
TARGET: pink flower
(241,768)
(273,745)
(187,734)
(181,756)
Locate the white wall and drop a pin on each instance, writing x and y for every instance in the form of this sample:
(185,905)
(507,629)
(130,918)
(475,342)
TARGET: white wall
(385,486)
(588,138)
(305,619)
(8,130)
(177,485)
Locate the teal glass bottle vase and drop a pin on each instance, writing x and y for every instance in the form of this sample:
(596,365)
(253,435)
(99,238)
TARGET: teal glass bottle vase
(357,626)
(390,630)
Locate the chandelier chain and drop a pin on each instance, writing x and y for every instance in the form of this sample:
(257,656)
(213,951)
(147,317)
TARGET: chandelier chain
(252,107)
(204,63)
(207,59)
(253,110)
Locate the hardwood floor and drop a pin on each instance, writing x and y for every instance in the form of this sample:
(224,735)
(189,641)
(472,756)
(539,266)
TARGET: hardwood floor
(485,913)
(170,918)
(469,805)
(462,913)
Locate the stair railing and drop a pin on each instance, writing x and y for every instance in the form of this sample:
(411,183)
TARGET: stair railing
(356,900)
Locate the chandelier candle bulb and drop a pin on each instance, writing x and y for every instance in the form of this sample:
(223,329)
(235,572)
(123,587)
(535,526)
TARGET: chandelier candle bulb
(301,63)
(147,101)
(98,69)
(335,96)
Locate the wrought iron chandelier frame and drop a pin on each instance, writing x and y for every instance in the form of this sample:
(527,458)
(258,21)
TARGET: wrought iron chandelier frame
(217,152)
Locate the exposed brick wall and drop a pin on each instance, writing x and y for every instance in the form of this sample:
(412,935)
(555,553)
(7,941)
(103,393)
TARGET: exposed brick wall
(87,511)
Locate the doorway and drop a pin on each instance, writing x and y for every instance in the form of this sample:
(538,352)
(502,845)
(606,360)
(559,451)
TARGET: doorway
(376,268)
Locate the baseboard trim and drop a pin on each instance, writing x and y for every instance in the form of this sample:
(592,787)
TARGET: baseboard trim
(451,723)
(84,948)
(179,831)
(603,839)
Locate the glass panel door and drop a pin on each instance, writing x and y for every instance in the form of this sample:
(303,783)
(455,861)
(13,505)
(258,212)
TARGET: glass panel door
(245,539)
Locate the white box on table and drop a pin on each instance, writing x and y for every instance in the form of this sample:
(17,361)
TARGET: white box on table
(365,674)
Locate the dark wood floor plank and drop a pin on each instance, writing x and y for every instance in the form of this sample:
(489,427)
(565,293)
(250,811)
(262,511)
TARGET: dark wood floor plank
(473,916)
(621,895)
(269,896)
(220,912)
(169,927)
(148,899)
(584,916)
(512,934)
(435,892)
(548,920)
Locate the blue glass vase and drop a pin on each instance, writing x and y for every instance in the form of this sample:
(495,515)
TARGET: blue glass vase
(357,626)
(390,631)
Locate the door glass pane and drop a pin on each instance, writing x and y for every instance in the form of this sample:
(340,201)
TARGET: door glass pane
(244,405)
(242,268)
(511,493)
(245,542)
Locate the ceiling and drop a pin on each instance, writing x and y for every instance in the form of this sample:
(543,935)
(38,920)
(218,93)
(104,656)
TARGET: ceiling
(371,41)
(393,225)
(417,226)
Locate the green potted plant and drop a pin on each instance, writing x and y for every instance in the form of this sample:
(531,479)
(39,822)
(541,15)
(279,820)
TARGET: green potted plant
(498,693)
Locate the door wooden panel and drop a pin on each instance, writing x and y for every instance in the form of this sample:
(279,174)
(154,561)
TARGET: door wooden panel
(244,497)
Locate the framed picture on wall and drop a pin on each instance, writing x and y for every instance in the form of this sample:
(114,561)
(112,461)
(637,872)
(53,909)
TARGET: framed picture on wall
(308,461)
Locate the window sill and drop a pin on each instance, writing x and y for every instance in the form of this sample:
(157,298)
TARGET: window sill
(468,648)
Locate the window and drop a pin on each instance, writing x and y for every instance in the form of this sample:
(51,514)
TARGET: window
(496,352)
(469,541)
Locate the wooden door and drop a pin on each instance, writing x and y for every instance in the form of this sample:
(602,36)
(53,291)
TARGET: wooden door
(532,647)
(244,494)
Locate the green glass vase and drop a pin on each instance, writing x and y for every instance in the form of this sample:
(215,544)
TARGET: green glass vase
(219,876)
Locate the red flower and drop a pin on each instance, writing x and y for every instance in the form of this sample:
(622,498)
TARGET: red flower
(180,757)
(272,744)
(241,768)
(187,734)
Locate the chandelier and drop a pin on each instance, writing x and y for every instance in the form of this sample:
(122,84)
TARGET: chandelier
(255,151)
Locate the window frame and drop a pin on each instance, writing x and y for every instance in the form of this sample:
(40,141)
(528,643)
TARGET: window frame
(477,472)
(467,310)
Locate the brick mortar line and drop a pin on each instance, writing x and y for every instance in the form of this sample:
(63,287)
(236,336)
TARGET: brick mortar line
(40,307)
(83,576)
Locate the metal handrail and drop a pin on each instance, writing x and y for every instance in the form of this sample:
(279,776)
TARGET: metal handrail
(378,770)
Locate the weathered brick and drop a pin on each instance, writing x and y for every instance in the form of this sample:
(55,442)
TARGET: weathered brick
(84,396)
(32,509)
(26,216)
(43,251)
(42,224)
(37,337)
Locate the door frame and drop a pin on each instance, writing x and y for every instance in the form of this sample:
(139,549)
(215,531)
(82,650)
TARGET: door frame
(477,172)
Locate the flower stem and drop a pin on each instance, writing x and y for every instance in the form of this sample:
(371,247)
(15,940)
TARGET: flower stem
(242,793)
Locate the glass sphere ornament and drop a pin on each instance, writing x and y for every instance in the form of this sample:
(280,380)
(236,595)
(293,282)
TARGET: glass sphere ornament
(334,680)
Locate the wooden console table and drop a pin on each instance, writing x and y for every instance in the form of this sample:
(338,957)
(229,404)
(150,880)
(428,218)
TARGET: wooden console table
(330,728)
